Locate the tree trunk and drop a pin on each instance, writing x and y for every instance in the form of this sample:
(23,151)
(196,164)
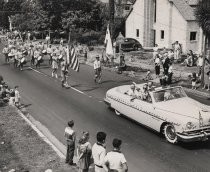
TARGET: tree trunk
(204,60)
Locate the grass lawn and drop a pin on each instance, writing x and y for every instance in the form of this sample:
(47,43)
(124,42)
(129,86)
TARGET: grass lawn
(21,148)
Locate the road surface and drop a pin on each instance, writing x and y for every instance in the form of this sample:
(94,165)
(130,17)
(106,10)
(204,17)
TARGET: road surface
(53,106)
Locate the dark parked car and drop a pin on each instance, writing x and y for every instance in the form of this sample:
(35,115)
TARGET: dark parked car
(130,44)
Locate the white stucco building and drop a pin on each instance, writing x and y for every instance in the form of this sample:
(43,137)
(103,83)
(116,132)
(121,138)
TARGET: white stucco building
(163,22)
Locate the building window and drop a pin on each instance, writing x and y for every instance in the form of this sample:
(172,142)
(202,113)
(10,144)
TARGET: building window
(193,36)
(137,33)
(162,35)
(127,7)
(155,10)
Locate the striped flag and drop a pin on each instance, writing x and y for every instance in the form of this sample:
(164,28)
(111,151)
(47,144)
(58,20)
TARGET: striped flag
(72,59)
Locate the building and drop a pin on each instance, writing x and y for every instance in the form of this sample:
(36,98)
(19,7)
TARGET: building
(163,22)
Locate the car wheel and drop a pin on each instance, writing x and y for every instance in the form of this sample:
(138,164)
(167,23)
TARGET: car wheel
(135,48)
(117,112)
(170,133)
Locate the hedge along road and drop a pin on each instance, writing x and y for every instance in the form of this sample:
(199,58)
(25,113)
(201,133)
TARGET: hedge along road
(53,106)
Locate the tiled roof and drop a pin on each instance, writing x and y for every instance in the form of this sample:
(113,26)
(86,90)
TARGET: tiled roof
(185,9)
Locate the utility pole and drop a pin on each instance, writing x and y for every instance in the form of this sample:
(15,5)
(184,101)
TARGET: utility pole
(111,15)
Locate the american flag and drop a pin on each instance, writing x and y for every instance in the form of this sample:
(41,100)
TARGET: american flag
(72,58)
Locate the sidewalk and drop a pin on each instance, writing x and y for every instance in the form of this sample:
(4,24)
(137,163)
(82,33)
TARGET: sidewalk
(22,149)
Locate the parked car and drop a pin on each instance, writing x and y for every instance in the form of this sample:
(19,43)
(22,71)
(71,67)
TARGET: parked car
(130,44)
(179,117)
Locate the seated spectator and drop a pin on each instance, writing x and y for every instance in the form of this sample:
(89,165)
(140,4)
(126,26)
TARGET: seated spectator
(188,61)
(150,86)
(148,76)
(168,95)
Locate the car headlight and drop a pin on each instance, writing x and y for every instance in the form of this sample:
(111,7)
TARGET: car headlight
(189,125)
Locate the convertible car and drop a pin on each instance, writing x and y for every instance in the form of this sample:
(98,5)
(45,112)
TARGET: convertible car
(168,110)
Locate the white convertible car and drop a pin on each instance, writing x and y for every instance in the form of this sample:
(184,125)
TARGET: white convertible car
(178,117)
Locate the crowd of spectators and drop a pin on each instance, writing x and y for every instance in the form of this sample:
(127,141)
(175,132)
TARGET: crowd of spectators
(9,95)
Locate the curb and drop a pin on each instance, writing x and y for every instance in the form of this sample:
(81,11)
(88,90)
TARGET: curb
(40,134)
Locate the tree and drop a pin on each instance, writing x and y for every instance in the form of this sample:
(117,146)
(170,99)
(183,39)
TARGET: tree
(202,14)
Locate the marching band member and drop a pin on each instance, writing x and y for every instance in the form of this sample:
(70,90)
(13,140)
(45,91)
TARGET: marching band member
(49,53)
(15,56)
(64,74)
(31,53)
(6,52)
(54,65)
(37,56)
(19,58)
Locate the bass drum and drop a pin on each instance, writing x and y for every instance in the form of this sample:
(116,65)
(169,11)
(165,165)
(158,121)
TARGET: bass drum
(40,60)
(23,61)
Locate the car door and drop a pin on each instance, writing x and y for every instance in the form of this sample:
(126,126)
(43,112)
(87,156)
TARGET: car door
(145,114)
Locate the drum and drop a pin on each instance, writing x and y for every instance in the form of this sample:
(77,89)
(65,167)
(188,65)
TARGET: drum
(60,57)
(44,52)
(39,58)
(25,52)
(22,60)
(10,55)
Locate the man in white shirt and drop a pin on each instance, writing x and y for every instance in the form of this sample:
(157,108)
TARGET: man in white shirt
(97,68)
(115,160)
(99,152)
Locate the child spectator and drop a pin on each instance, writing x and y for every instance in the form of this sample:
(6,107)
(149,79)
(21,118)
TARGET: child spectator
(148,76)
(194,80)
(17,97)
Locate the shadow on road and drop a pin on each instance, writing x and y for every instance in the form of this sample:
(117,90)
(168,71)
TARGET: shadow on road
(195,145)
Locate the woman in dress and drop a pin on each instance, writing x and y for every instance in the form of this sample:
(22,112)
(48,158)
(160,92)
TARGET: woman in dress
(54,65)
(84,153)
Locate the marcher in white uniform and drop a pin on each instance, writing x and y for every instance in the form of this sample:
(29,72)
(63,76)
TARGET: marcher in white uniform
(54,65)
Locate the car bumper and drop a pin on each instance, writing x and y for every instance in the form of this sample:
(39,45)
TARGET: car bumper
(198,136)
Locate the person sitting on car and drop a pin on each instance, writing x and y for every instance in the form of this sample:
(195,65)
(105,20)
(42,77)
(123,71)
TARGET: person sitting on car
(131,91)
(168,95)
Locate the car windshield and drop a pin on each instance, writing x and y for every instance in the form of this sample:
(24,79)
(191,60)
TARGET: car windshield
(168,94)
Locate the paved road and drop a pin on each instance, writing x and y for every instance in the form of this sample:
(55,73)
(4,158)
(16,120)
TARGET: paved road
(53,106)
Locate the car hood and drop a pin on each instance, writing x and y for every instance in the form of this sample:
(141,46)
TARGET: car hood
(183,107)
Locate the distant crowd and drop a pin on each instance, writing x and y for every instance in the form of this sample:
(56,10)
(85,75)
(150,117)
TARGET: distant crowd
(167,58)
(9,95)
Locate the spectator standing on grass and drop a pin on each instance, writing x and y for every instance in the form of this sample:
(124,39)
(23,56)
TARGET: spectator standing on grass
(99,151)
(155,51)
(177,50)
(194,80)
(115,161)
(70,136)
(17,97)
(207,78)
(200,64)
(170,73)
(157,65)
(166,65)
(84,152)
